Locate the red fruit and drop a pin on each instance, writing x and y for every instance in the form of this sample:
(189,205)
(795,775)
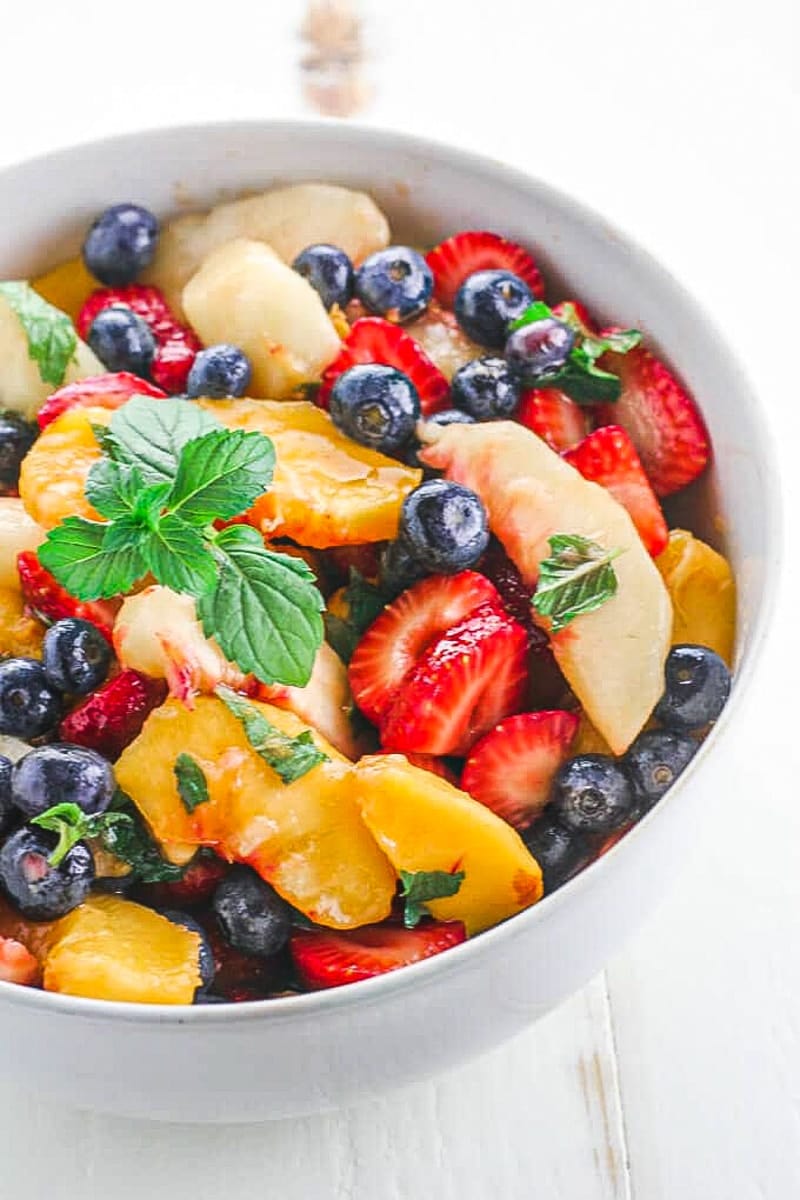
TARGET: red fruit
(661,418)
(429,762)
(551,414)
(234,972)
(110,719)
(393,644)
(470,679)
(101,391)
(173,362)
(325,959)
(199,882)
(475,250)
(511,769)
(17,964)
(575,313)
(373,340)
(608,457)
(46,597)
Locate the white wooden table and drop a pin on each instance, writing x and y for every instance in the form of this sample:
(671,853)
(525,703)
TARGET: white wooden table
(676,1075)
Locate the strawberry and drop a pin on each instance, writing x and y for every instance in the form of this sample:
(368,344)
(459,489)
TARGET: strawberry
(661,418)
(391,647)
(429,762)
(551,414)
(373,340)
(608,457)
(100,391)
(465,253)
(109,719)
(472,677)
(325,958)
(234,970)
(511,769)
(17,964)
(173,361)
(48,599)
(196,886)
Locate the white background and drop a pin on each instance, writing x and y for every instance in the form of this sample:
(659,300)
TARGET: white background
(676,1075)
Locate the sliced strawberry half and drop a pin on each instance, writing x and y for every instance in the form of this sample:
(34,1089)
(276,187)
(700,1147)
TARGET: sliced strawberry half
(511,769)
(17,964)
(110,719)
(100,391)
(662,419)
(394,643)
(551,414)
(466,682)
(608,457)
(452,261)
(326,959)
(373,340)
(48,599)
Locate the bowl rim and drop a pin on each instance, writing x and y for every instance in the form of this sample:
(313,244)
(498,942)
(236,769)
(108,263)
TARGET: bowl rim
(370,992)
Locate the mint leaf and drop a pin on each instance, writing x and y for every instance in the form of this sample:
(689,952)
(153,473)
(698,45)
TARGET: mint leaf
(52,339)
(583,382)
(289,757)
(150,434)
(191,781)
(365,603)
(421,886)
(70,823)
(534,312)
(123,834)
(619,341)
(76,554)
(265,610)
(221,474)
(578,578)
(112,488)
(179,558)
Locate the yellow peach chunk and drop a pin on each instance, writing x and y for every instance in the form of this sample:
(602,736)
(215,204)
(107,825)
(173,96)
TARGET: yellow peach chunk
(703,592)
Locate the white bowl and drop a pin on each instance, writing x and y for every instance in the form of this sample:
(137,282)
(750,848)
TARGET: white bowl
(299,1055)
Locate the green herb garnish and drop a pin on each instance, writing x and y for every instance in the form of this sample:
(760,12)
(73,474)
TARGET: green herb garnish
(421,886)
(289,757)
(191,781)
(52,339)
(365,602)
(576,579)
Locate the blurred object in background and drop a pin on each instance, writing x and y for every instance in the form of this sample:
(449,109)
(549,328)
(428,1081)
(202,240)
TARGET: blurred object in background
(332,66)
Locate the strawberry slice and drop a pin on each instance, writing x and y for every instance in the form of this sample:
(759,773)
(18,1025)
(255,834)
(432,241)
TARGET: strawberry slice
(393,644)
(511,769)
(326,959)
(661,418)
(373,340)
(466,682)
(608,457)
(48,599)
(100,391)
(196,886)
(551,414)
(474,250)
(17,964)
(110,719)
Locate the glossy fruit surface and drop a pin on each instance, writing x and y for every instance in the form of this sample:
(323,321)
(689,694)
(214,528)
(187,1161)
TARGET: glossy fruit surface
(75,655)
(551,414)
(377,406)
(21,633)
(560,852)
(487,303)
(16,438)
(100,391)
(453,260)
(325,959)
(62,774)
(329,271)
(654,762)
(17,964)
(703,593)
(219,371)
(6,799)
(395,283)
(697,686)
(445,526)
(374,340)
(485,389)
(122,340)
(539,348)
(593,795)
(109,719)
(39,890)
(121,243)
(29,705)
(205,953)
(251,914)
(53,474)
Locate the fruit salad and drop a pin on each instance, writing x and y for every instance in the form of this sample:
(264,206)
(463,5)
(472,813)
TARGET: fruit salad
(341,618)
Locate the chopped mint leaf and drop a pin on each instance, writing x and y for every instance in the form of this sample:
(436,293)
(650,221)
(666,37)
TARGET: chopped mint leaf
(583,381)
(76,554)
(534,312)
(577,579)
(123,834)
(421,886)
(221,474)
(52,339)
(619,341)
(289,757)
(365,602)
(70,823)
(179,557)
(191,781)
(150,434)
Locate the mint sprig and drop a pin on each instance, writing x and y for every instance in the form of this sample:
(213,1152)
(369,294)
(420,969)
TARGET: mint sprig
(289,757)
(168,470)
(191,781)
(577,579)
(421,886)
(52,339)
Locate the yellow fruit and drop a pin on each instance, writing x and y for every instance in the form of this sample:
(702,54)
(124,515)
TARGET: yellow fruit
(66,286)
(703,593)
(17,532)
(588,740)
(327,490)
(19,633)
(111,949)
(425,824)
(442,339)
(22,389)
(306,838)
(53,474)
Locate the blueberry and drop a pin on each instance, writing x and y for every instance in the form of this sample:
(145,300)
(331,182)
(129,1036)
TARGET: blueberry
(6,799)
(218,372)
(75,656)
(592,795)
(122,340)
(697,686)
(395,283)
(486,304)
(654,762)
(206,956)
(120,244)
(329,271)
(251,914)
(486,389)
(399,569)
(62,773)
(451,416)
(444,526)
(375,405)
(40,891)
(539,348)
(16,438)
(560,852)
(29,705)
